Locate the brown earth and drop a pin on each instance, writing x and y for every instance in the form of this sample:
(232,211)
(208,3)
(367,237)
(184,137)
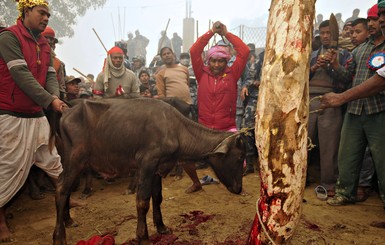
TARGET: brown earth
(212,216)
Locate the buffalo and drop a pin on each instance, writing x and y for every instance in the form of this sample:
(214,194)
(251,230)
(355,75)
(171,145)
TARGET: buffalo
(143,134)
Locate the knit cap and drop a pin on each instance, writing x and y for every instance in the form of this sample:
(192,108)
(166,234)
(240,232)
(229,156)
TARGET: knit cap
(373,11)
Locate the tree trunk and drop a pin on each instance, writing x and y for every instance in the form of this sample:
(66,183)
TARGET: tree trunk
(281,121)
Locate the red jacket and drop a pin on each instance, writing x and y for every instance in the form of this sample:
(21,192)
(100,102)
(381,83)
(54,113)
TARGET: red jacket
(217,95)
(12,98)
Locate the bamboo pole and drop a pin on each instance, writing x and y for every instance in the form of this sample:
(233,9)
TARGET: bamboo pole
(281,121)
(100,40)
(82,74)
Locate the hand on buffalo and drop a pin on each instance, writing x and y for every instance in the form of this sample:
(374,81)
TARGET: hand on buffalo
(331,100)
(58,105)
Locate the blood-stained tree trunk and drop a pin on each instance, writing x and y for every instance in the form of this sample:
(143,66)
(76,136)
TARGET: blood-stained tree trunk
(281,121)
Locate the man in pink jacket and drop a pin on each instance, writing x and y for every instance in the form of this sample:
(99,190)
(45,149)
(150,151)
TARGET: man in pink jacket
(217,82)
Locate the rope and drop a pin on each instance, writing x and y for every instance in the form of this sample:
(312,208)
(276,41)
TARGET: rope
(310,145)
(318,110)
(263,227)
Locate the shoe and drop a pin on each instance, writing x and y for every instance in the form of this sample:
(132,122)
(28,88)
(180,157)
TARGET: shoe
(207,180)
(321,193)
(338,201)
(248,170)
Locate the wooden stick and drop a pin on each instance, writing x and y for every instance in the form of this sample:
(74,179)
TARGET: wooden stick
(197,30)
(99,39)
(165,33)
(86,77)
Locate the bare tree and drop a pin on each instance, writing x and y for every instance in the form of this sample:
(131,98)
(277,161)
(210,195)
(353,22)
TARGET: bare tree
(281,121)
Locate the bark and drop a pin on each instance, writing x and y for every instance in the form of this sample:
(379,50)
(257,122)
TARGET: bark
(281,121)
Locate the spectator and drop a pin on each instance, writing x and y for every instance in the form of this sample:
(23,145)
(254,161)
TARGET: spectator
(146,82)
(359,32)
(130,46)
(217,83)
(177,43)
(59,66)
(115,79)
(138,64)
(354,16)
(344,41)
(172,80)
(72,88)
(164,41)
(186,61)
(318,21)
(140,43)
(249,95)
(325,126)
(365,118)
(340,22)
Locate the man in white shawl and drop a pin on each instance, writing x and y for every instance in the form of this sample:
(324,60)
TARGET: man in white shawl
(115,79)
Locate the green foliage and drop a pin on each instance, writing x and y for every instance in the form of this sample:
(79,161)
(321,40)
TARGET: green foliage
(63,13)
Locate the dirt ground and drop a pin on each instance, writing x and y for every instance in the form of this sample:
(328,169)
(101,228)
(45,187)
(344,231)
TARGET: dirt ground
(212,216)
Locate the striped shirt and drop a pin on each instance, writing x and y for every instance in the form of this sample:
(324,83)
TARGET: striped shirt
(357,71)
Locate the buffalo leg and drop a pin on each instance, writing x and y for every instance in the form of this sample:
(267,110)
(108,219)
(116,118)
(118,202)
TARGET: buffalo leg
(87,191)
(143,197)
(63,218)
(157,198)
(132,182)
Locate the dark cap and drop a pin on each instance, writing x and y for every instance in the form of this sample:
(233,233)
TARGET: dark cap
(85,94)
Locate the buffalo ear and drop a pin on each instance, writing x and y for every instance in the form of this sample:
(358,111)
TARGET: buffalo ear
(240,141)
(224,146)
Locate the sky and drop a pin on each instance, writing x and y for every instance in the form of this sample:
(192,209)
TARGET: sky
(118,17)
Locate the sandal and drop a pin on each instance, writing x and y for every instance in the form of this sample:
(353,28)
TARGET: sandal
(321,193)
(363,193)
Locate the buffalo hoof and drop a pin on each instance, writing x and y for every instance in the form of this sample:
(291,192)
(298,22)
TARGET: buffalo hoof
(163,230)
(70,223)
(130,192)
(37,195)
(145,242)
(86,193)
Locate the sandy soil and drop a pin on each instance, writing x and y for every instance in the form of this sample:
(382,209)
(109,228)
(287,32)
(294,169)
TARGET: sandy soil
(212,216)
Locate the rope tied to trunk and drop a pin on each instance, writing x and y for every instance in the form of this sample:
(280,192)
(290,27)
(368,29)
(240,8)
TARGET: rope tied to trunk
(263,226)
(312,99)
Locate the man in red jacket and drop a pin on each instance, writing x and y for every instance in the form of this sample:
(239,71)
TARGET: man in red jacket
(27,85)
(217,82)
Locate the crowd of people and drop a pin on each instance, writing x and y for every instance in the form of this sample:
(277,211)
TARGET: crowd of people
(221,86)
(350,136)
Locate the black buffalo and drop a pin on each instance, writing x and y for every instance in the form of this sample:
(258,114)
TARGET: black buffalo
(144,134)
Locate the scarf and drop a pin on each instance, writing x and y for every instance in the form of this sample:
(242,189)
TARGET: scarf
(111,70)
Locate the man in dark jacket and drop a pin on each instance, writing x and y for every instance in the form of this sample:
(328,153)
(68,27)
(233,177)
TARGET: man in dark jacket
(326,125)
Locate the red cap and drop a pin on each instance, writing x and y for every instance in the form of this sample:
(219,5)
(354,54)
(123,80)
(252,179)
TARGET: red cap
(115,50)
(48,32)
(373,12)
